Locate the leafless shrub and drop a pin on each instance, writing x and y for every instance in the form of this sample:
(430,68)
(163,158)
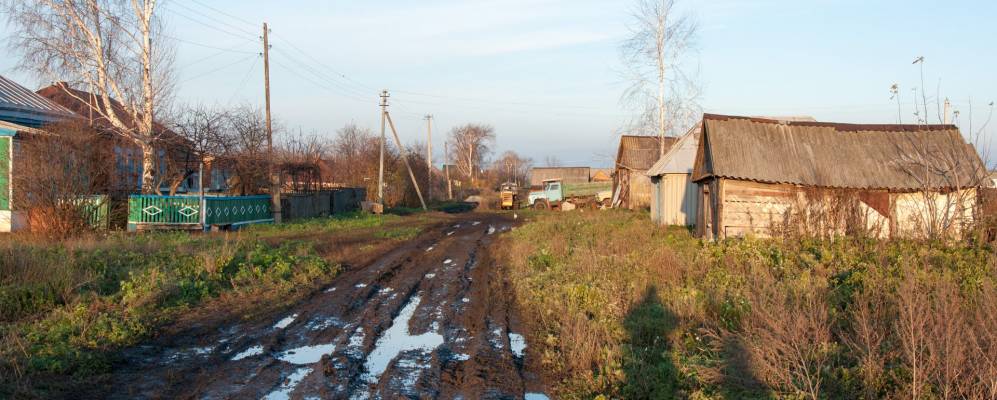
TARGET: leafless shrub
(57,172)
(870,321)
(787,335)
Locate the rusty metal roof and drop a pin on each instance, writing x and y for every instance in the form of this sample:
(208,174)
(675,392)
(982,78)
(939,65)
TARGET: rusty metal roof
(640,152)
(899,157)
(21,106)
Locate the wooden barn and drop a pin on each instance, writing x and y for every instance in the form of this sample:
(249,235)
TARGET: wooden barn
(635,156)
(764,177)
(674,196)
(565,174)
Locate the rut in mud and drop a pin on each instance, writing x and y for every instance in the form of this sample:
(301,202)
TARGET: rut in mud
(430,319)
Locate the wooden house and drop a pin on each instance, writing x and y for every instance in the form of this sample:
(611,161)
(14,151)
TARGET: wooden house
(22,112)
(761,177)
(635,156)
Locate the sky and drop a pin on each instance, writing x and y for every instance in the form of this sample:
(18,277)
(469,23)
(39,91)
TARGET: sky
(547,75)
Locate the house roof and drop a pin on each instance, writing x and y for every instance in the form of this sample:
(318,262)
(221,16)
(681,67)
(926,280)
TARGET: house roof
(84,103)
(19,105)
(898,157)
(640,152)
(681,158)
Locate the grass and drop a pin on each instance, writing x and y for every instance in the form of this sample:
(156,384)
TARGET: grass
(620,308)
(67,307)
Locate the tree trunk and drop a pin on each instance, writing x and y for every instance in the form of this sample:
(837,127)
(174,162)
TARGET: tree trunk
(148,168)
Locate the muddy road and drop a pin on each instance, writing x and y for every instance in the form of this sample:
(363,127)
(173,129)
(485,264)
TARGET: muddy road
(430,319)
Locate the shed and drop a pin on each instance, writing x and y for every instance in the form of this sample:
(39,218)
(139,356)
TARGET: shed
(565,174)
(635,156)
(760,176)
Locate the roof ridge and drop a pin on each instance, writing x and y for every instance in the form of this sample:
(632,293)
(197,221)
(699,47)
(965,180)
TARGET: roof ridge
(839,126)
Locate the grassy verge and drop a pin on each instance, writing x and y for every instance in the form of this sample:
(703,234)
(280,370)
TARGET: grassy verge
(620,308)
(66,307)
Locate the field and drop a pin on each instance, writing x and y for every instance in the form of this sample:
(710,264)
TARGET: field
(619,308)
(67,308)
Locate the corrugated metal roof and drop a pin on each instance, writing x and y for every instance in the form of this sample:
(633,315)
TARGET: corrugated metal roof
(899,157)
(640,152)
(22,106)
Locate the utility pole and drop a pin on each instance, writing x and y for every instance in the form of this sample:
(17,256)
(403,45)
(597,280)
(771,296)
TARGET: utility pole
(429,157)
(446,168)
(947,119)
(274,178)
(380,169)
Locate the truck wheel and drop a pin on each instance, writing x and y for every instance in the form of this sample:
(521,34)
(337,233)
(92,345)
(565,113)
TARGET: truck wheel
(540,206)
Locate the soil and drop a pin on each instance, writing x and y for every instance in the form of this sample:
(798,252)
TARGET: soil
(431,318)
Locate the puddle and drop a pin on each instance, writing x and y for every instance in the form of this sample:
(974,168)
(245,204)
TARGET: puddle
(430,249)
(430,276)
(475,223)
(447,261)
(461,357)
(330,290)
(361,285)
(285,322)
(307,354)
(466,300)
(517,343)
(324,323)
(385,290)
(536,396)
(356,341)
(397,340)
(449,233)
(491,229)
(288,385)
(250,352)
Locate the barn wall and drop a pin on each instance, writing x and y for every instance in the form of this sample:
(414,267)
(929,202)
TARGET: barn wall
(640,190)
(674,200)
(949,213)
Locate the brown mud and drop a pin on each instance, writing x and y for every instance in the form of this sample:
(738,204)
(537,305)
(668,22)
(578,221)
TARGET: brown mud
(431,318)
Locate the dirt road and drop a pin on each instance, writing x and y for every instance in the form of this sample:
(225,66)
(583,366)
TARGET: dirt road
(430,319)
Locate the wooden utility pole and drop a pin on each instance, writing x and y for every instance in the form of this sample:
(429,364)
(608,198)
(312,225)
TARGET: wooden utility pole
(380,169)
(446,168)
(385,116)
(429,157)
(274,178)
(947,119)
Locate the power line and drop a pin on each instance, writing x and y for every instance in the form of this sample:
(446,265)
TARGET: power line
(224,13)
(326,66)
(321,75)
(216,69)
(192,19)
(222,49)
(321,85)
(198,13)
(245,79)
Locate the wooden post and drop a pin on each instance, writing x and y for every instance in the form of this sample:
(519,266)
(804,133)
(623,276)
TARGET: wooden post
(274,178)
(401,149)
(380,169)
(429,157)
(446,169)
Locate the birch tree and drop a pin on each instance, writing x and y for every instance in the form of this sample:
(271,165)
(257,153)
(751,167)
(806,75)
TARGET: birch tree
(661,93)
(472,143)
(110,48)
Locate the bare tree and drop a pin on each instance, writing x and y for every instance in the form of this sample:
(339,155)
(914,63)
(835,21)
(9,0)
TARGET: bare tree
(552,161)
(511,167)
(109,47)
(471,144)
(661,91)
(202,129)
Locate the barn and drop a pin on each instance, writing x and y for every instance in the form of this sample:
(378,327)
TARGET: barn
(766,177)
(635,156)
(566,174)
(674,196)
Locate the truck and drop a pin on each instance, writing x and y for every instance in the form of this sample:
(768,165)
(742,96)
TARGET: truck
(553,194)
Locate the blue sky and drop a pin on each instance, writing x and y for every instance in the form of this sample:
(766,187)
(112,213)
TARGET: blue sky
(546,73)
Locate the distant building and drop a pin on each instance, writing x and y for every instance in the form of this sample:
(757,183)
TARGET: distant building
(565,174)
(754,174)
(636,155)
(601,175)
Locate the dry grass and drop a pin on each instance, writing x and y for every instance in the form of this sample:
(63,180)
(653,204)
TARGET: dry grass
(625,309)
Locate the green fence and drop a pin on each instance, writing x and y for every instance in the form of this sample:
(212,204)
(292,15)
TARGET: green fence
(97,210)
(149,211)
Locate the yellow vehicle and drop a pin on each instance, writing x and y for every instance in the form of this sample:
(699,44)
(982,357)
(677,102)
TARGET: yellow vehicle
(509,192)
